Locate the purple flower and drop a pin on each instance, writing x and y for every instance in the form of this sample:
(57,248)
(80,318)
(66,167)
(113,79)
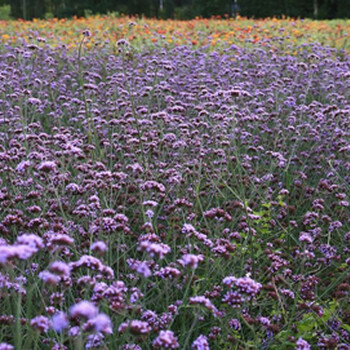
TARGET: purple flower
(122,42)
(248,286)
(59,322)
(168,272)
(60,268)
(49,277)
(6,253)
(100,323)
(136,327)
(144,270)
(264,321)
(32,100)
(191,260)
(20,251)
(41,323)
(288,293)
(23,166)
(5,346)
(86,33)
(165,340)
(99,247)
(92,263)
(305,237)
(235,324)
(74,331)
(47,166)
(229,281)
(59,239)
(154,249)
(302,344)
(335,225)
(217,213)
(188,229)
(201,300)
(84,309)
(94,341)
(153,185)
(233,299)
(201,343)
(24,251)
(131,347)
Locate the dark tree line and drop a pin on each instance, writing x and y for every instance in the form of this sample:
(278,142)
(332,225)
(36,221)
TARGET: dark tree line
(182,9)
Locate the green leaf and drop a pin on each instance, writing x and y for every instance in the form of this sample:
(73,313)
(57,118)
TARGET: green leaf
(346,327)
(307,324)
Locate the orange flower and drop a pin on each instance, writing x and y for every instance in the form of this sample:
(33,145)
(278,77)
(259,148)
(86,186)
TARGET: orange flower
(197,32)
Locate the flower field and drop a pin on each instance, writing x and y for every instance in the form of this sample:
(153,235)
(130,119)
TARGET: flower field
(214,33)
(174,185)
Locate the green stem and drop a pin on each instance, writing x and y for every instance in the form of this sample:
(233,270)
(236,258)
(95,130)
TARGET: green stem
(18,331)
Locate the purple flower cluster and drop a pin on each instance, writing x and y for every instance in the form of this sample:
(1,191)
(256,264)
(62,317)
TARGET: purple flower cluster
(135,327)
(166,340)
(201,300)
(247,289)
(201,343)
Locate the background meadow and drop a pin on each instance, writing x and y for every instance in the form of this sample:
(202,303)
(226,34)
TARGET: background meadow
(174,184)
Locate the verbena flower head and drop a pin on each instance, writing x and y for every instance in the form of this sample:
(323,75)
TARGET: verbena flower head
(41,323)
(144,270)
(155,249)
(166,340)
(122,42)
(201,300)
(59,322)
(5,346)
(60,268)
(84,309)
(99,247)
(47,166)
(100,323)
(191,260)
(131,347)
(136,327)
(302,344)
(86,33)
(201,343)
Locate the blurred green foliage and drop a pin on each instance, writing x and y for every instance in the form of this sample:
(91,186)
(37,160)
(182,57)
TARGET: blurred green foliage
(180,9)
(5,11)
